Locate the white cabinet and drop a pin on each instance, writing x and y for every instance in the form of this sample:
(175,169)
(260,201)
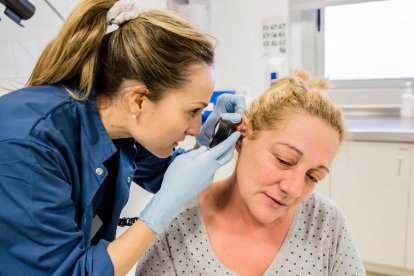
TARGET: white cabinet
(370,182)
(324,187)
(410,231)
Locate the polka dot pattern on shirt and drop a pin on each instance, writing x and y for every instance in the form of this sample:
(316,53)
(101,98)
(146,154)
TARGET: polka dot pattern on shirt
(318,243)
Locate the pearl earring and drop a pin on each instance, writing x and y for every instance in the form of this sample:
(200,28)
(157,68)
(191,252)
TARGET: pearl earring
(134,115)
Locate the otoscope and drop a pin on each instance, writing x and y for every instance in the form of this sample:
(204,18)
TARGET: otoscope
(223,129)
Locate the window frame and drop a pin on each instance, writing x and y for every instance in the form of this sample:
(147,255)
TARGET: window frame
(308,31)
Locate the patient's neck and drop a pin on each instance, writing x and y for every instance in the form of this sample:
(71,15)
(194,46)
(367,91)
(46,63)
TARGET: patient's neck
(243,244)
(222,201)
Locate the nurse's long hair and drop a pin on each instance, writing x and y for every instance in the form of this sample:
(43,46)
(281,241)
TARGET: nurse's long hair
(297,93)
(158,48)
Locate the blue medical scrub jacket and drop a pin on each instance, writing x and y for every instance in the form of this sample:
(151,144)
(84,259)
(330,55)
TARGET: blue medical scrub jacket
(59,171)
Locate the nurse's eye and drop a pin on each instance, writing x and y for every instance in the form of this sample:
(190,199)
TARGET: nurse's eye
(194,112)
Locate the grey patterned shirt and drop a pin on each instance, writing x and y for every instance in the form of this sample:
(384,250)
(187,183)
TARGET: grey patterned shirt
(318,243)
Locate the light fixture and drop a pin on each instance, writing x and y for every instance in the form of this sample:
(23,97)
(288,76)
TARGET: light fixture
(18,10)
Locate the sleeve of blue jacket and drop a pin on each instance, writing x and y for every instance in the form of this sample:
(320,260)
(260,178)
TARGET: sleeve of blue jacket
(39,234)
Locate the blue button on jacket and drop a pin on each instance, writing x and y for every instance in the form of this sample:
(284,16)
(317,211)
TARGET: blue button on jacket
(58,171)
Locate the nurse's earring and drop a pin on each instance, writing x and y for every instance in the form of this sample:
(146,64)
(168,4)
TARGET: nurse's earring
(134,115)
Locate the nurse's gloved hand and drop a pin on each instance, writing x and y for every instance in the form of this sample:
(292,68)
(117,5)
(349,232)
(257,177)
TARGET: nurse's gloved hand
(188,175)
(228,107)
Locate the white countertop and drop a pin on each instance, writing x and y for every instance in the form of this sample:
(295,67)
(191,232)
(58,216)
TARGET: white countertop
(380,128)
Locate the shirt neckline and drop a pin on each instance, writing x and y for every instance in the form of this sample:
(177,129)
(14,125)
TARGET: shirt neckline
(279,255)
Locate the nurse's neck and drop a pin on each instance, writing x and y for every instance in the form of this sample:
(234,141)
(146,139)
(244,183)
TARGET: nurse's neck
(113,116)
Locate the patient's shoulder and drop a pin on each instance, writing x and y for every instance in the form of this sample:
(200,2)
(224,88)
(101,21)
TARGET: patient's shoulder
(320,202)
(319,210)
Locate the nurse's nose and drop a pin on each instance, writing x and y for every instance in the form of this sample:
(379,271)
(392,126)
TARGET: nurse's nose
(292,184)
(194,127)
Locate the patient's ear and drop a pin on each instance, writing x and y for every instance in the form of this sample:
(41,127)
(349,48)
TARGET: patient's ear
(242,127)
(243,124)
(239,145)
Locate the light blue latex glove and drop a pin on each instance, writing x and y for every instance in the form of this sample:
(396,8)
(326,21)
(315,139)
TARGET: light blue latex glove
(188,175)
(228,107)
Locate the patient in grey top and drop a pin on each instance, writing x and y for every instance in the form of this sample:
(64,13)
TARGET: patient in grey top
(265,218)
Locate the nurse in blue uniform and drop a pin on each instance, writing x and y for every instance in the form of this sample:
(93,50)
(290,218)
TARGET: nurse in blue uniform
(107,103)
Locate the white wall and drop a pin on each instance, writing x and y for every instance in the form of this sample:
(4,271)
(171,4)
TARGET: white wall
(240,59)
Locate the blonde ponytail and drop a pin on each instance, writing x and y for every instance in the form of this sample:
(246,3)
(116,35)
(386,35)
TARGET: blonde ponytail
(73,53)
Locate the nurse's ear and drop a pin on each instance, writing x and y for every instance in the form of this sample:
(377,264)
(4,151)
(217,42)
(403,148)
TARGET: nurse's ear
(136,95)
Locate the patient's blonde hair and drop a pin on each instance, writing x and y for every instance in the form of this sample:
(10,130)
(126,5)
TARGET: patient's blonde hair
(297,93)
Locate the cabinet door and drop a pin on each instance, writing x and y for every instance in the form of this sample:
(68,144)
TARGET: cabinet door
(370,183)
(410,229)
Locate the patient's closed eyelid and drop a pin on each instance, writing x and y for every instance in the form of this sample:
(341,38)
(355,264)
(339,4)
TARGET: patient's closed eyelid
(318,174)
(285,160)
(312,179)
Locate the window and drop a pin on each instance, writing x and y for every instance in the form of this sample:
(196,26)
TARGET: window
(371,40)
(365,48)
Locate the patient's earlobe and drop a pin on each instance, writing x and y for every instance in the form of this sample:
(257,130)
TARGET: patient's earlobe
(239,145)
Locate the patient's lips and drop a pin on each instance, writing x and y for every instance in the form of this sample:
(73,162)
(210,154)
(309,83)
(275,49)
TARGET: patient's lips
(274,202)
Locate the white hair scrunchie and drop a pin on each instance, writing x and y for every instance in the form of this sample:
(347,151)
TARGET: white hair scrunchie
(121,12)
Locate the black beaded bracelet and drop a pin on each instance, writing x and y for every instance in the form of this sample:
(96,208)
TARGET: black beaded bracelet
(127,221)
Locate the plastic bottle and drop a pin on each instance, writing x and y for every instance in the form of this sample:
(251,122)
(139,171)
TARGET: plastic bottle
(276,67)
(273,77)
(407,102)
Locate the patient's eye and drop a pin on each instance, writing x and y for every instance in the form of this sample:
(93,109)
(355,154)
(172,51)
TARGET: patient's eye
(285,156)
(314,176)
(283,162)
(311,179)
